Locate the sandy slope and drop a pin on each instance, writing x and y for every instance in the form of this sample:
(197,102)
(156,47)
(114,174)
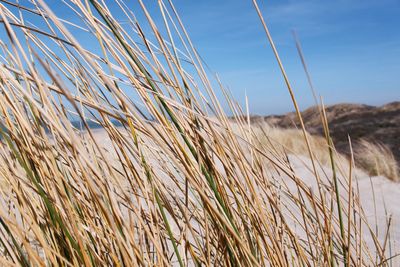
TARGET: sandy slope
(379,196)
(372,123)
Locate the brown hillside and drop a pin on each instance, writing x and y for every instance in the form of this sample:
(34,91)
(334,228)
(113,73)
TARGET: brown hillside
(376,124)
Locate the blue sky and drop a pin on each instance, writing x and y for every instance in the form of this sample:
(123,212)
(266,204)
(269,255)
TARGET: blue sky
(352,48)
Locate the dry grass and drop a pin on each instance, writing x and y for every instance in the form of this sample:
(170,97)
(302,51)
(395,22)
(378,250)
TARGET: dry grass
(177,186)
(377,159)
(291,141)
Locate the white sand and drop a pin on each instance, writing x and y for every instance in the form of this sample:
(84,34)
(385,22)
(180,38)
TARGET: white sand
(379,198)
(378,195)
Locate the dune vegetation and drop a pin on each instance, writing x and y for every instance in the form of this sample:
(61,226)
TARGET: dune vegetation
(171,182)
(373,158)
(377,159)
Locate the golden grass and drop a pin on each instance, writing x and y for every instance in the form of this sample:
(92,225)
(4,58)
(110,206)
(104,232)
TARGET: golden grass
(177,185)
(291,141)
(377,159)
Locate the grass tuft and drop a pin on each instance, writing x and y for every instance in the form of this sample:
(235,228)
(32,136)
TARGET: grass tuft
(167,178)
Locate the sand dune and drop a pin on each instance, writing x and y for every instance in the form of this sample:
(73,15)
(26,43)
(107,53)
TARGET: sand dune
(378,195)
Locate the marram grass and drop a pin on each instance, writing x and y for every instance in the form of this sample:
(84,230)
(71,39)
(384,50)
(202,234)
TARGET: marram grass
(170,182)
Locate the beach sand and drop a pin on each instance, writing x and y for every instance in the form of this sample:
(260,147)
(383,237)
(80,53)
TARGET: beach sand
(379,197)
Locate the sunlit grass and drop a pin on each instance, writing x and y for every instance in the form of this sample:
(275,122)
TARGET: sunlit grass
(174,184)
